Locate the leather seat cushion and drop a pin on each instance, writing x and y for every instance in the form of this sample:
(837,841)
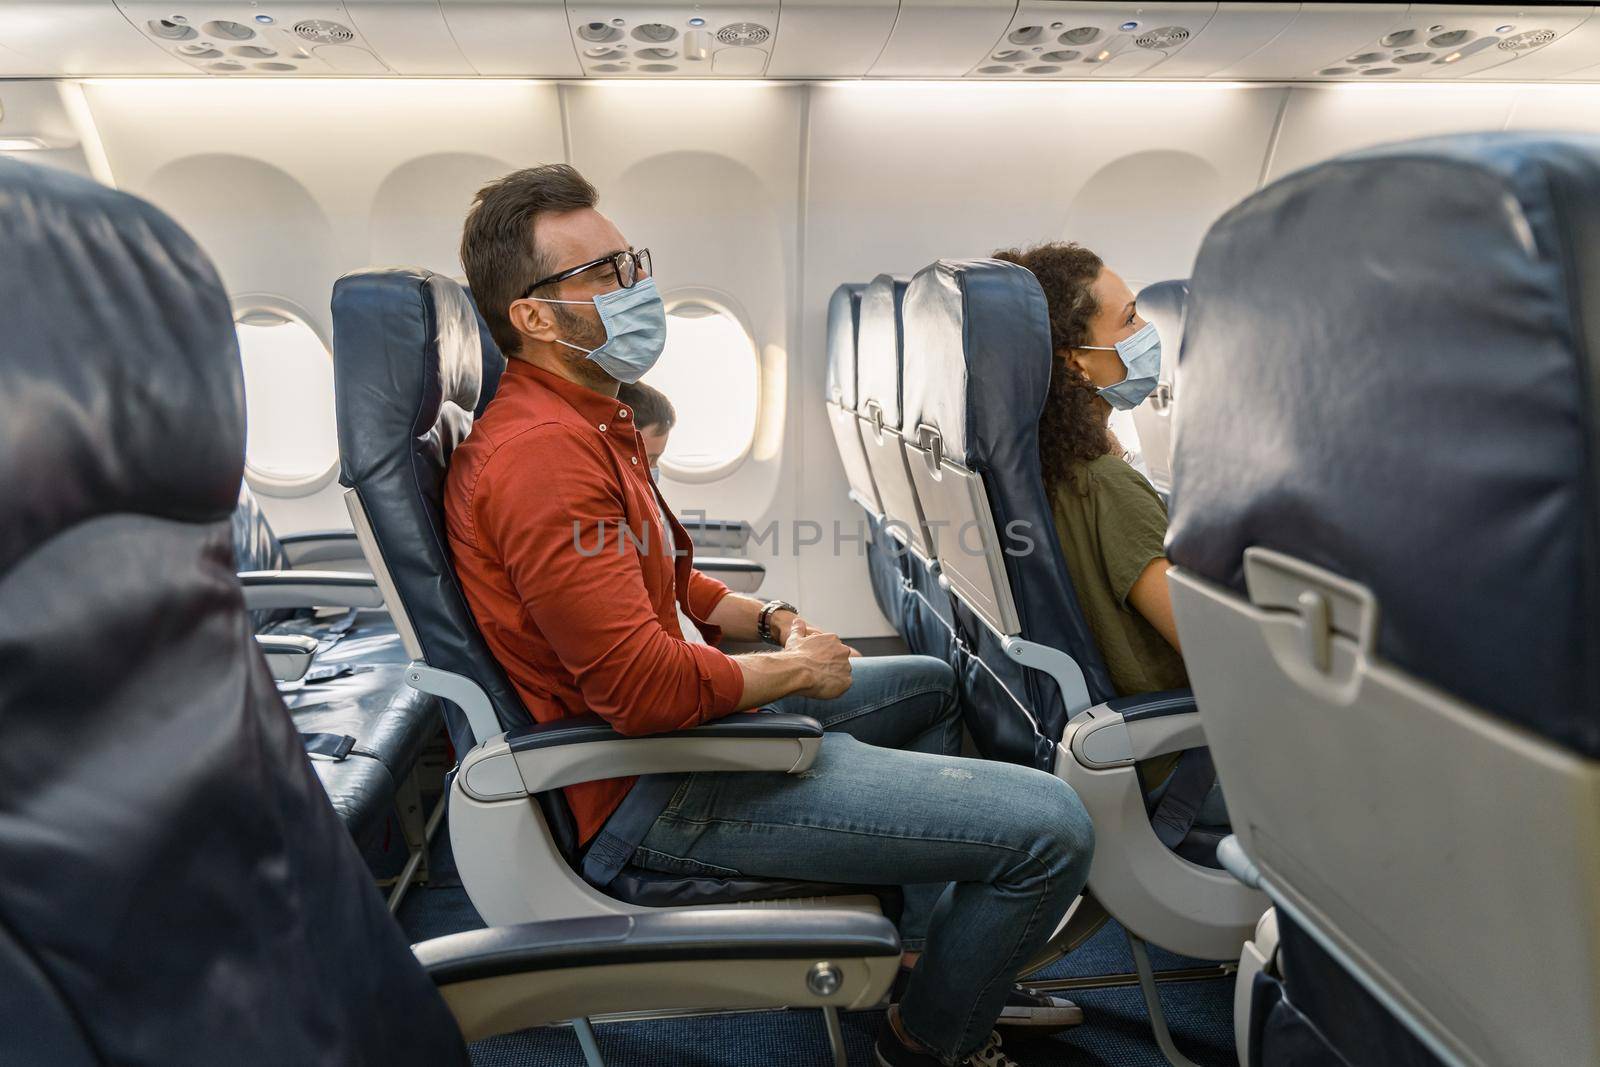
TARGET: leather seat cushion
(361,791)
(657,889)
(390,721)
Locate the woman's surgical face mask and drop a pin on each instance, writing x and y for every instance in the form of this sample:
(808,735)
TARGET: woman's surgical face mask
(636,330)
(1141,355)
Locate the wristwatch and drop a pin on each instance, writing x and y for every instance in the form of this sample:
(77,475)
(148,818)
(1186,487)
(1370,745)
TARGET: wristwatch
(764,620)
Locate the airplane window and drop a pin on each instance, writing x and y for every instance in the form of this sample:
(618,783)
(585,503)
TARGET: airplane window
(290,440)
(710,373)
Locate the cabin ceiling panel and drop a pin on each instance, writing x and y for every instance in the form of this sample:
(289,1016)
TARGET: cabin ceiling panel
(1047,39)
(513,38)
(941,38)
(240,37)
(831,38)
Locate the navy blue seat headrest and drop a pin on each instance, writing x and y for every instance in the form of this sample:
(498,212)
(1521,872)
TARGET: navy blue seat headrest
(879,346)
(1164,304)
(420,351)
(844,322)
(120,383)
(977,334)
(1391,370)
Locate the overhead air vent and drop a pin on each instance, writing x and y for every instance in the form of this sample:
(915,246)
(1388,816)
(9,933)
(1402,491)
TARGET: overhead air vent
(1524,41)
(324,32)
(655,55)
(1026,35)
(1414,57)
(1080,35)
(168,30)
(599,32)
(1064,56)
(1163,38)
(1335,72)
(1399,38)
(654,32)
(1450,38)
(743,33)
(229,31)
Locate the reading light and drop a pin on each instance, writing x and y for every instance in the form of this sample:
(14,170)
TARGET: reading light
(1105,54)
(1127,27)
(21,144)
(1451,58)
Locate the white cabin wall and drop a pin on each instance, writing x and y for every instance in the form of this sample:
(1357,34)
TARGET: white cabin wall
(289,184)
(769,194)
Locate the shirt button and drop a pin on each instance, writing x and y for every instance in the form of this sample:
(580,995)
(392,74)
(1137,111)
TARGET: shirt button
(602,427)
(634,460)
(622,414)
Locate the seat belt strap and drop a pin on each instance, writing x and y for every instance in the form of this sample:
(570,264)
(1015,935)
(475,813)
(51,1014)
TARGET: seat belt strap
(333,747)
(1186,790)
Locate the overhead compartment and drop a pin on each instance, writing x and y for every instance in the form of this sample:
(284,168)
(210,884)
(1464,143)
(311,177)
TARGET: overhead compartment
(236,37)
(410,36)
(52,38)
(513,38)
(830,38)
(941,38)
(1051,39)
(1344,42)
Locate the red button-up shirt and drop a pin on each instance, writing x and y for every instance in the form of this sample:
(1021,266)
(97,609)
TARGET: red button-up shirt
(580,612)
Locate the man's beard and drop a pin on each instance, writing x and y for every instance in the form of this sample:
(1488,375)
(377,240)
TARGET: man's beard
(579,330)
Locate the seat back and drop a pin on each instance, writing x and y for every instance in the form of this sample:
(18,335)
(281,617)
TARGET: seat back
(1162,304)
(159,810)
(973,395)
(413,365)
(879,362)
(844,318)
(257,548)
(1391,614)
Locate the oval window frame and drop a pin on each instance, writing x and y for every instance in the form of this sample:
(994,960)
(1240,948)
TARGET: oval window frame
(259,481)
(725,304)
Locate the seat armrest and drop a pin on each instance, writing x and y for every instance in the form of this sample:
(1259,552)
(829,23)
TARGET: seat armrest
(716,535)
(309,589)
(511,977)
(1154,705)
(740,575)
(583,729)
(288,657)
(1126,730)
(586,748)
(322,546)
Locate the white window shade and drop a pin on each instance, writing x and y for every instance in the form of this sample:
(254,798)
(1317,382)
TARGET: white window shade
(291,438)
(710,372)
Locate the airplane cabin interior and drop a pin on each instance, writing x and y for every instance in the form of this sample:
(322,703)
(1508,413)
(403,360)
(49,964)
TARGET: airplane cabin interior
(799,532)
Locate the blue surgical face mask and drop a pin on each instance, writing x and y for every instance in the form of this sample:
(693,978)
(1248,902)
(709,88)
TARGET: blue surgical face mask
(655,475)
(636,330)
(1141,354)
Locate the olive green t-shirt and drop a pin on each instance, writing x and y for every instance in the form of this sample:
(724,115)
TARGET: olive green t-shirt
(1111,525)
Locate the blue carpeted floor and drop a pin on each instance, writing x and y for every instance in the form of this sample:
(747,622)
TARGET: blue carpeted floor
(1115,1034)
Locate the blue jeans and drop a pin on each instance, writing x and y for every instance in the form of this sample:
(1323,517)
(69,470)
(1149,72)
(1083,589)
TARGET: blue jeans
(888,802)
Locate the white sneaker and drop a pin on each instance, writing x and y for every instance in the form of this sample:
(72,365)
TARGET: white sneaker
(990,1055)
(1038,1012)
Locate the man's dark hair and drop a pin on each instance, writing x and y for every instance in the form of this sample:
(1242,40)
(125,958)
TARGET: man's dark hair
(499,244)
(650,406)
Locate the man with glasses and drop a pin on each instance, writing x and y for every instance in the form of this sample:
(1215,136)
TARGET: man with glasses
(575,569)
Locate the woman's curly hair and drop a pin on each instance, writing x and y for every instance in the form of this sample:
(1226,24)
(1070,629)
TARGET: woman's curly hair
(1072,429)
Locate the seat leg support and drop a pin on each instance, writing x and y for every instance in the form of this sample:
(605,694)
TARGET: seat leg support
(586,1041)
(1152,1000)
(830,1016)
(416,863)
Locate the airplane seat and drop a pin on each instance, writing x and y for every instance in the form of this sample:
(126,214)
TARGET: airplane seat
(1161,303)
(365,727)
(973,398)
(1391,614)
(409,365)
(174,887)
(924,615)
(158,802)
(883,566)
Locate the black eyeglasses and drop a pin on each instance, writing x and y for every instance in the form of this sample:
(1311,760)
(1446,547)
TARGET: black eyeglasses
(628,266)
